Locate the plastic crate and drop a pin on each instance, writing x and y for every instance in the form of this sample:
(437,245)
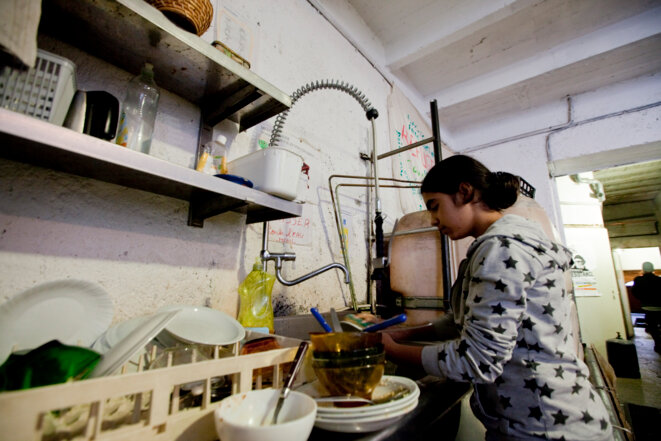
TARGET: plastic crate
(44,91)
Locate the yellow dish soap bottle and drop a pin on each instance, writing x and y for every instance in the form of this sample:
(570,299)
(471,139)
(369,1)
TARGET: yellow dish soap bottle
(255,308)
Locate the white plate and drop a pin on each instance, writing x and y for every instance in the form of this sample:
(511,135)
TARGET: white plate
(371,424)
(133,342)
(366,416)
(367,411)
(198,324)
(115,334)
(389,385)
(119,331)
(386,414)
(75,312)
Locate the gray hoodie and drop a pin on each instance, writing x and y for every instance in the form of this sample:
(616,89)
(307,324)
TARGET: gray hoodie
(515,339)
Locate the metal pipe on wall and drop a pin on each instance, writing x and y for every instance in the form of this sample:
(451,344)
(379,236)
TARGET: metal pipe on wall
(338,224)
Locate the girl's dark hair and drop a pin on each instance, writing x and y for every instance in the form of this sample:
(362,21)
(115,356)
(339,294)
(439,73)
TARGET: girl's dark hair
(497,190)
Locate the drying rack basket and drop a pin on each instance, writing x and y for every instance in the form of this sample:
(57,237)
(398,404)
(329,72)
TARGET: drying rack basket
(144,405)
(44,91)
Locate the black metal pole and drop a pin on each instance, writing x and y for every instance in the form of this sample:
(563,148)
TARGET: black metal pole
(435,132)
(445,243)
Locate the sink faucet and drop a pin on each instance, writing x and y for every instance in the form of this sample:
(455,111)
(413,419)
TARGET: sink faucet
(278,258)
(371,114)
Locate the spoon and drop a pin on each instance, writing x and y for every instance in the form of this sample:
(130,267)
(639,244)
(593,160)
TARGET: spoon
(386,323)
(284,392)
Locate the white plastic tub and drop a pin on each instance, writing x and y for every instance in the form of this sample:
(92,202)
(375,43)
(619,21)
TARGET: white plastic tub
(272,170)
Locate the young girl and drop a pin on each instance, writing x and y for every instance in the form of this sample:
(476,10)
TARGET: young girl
(509,326)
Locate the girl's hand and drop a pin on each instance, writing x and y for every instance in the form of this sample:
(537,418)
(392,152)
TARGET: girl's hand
(368,317)
(401,353)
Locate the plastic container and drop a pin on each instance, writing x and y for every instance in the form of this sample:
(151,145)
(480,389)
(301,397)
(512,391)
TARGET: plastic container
(138,115)
(623,357)
(272,170)
(256,308)
(44,92)
(213,158)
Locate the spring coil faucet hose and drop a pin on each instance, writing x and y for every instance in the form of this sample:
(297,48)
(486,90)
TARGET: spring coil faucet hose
(318,85)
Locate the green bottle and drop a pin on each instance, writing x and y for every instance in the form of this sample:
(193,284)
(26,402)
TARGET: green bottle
(256,309)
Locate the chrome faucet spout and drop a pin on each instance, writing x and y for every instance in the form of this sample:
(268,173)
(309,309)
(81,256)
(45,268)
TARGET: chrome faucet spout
(310,275)
(278,258)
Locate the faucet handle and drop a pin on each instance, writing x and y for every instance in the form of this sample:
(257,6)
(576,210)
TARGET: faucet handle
(277,257)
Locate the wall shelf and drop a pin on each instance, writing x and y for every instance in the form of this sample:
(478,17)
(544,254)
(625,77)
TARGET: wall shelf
(33,141)
(128,33)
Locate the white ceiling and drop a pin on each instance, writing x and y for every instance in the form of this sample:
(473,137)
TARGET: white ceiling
(478,57)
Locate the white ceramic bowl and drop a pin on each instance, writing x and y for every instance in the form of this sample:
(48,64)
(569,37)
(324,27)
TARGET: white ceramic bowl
(247,416)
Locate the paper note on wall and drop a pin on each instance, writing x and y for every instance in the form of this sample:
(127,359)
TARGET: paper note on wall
(235,34)
(406,127)
(294,231)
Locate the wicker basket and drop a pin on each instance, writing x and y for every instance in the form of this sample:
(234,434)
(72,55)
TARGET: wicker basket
(191,15)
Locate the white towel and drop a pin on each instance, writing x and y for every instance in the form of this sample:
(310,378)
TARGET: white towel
(19,21)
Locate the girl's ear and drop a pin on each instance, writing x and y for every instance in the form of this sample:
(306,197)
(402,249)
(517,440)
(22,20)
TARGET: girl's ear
(465,194)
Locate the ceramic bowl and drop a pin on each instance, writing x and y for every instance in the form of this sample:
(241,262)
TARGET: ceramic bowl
(247,416)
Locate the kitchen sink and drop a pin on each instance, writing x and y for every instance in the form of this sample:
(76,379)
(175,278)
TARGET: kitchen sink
(439,405)
(300,326)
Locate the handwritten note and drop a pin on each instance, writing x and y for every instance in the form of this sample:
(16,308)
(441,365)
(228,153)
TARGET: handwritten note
(413,164)
(295,231)
(408,126)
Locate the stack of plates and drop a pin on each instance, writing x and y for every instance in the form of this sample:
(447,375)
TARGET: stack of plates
(171,326)
(127,340)
(395,397)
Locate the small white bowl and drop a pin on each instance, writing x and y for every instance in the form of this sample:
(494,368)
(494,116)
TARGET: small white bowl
(247,416)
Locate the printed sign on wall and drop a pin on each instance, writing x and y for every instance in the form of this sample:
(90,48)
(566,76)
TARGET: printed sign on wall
(583,278)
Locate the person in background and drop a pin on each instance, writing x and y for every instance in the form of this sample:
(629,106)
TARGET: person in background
(647,289)
(509,330)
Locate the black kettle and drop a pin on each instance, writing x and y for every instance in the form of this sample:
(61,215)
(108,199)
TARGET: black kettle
(93,113)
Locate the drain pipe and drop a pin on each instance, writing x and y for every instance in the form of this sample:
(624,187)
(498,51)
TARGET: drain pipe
(338,224)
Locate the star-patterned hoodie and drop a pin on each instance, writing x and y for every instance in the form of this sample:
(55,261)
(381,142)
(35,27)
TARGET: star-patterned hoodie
(515,340)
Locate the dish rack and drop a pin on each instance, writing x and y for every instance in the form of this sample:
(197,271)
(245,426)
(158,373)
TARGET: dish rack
(44,91)
(145,405)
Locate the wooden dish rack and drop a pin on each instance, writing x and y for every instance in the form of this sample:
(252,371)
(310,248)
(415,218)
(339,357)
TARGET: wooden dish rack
(143,405)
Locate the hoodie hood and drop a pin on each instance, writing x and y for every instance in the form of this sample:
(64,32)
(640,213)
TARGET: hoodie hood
(530,235)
